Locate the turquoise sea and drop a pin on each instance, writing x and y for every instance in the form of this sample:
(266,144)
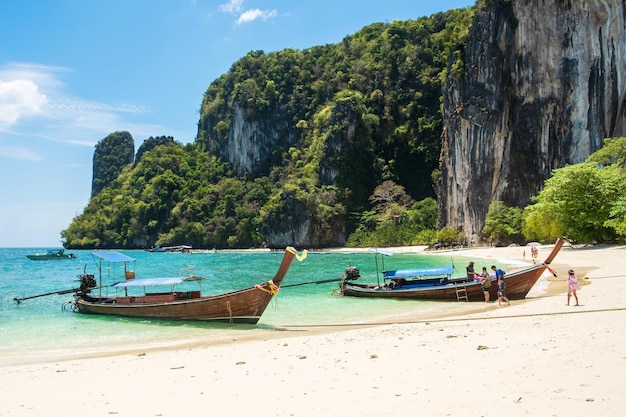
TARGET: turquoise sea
(38,328)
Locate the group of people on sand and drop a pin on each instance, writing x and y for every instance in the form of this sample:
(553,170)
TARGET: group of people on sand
(485,281)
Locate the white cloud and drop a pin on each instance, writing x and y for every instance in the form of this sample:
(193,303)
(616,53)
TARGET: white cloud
(20,154)
(33,104)
(232,6)
(252,15)
(19,98)
(42,75)
(235,6)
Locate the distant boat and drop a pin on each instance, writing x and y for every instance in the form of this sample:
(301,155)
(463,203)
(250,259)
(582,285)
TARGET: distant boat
(179,248)
(436,283)
(50,255)
(242,306)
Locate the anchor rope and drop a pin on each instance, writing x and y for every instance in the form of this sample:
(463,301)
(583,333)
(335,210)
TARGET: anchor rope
(273,288)
(230,311)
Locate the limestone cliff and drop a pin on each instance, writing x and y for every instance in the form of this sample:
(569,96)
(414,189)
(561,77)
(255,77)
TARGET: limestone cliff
(541,84)
(251,142)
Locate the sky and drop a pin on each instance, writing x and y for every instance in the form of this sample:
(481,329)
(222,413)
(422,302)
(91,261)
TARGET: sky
(74,71)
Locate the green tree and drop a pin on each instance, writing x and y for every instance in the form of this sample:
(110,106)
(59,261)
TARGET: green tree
(576,202)
(111,155)
(328,124)
(390,201)
(450,235)
(503,224)
(423,214)
(612,153)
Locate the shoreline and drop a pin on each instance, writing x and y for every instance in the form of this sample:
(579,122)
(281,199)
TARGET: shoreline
(536,357)
(488,254)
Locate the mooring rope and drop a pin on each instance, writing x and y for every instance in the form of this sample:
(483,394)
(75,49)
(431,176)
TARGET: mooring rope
(230,311)
(273,288)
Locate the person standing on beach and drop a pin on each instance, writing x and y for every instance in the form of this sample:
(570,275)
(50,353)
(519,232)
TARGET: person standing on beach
(470,271)
(572,286)
(534,253)
(485,283)
(501,285)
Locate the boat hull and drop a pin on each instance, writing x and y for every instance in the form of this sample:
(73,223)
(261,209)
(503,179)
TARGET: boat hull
(518,284)
(242,306)
(45,257)
(245,306)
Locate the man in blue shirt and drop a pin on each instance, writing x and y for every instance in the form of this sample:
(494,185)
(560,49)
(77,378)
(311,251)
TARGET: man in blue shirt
(501,285)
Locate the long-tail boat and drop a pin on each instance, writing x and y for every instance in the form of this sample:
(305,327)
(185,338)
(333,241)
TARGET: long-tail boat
(519,281)
(242,306)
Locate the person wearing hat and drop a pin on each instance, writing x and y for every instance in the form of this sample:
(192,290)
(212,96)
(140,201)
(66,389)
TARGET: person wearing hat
(572,286)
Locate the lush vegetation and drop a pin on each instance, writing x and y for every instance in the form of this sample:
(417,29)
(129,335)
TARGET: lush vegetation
(343,119)
(584,202)
(173,194)
(112,154)
(352,134)
(503,224)
(396,220)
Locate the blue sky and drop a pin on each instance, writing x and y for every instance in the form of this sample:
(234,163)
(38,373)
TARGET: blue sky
(73,71)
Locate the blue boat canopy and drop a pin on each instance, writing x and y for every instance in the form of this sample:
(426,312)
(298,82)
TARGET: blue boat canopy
(419,272)
(112,256)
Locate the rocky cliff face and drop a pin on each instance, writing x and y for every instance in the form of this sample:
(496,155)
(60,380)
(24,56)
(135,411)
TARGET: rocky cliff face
(251,142)
(252,145)
(543,84)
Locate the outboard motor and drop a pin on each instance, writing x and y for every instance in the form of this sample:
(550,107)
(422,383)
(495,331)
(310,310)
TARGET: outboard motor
(87,282)
(351,273)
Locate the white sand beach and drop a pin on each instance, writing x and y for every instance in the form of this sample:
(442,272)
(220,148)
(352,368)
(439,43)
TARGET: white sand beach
(536,357)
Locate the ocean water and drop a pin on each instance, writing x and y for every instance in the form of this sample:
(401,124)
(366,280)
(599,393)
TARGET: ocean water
(38,328)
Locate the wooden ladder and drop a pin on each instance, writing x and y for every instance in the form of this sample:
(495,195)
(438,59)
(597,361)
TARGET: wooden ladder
(461,293)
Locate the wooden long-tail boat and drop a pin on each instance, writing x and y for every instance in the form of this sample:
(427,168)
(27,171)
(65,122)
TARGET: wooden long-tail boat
(519,281)
(242,306)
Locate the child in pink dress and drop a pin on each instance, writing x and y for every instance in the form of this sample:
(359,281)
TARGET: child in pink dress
(572,286)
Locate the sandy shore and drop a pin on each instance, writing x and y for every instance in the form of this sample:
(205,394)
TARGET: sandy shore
(536,357)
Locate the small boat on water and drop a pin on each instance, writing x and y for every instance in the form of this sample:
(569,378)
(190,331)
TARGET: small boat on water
(437,284)
(179,248)
(51,255)
(159,297)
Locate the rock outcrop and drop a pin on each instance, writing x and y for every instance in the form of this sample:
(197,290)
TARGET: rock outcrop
(251,142)
(541,85)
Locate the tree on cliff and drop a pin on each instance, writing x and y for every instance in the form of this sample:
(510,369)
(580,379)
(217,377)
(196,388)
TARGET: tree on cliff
(374,100)
(290,146)
(112,154)
(174,195)
(152,143)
